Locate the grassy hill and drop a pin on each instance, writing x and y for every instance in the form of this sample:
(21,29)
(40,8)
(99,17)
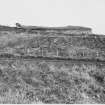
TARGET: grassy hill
(48,66)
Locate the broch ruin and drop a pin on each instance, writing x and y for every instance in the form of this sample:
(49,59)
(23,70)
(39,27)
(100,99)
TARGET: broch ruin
(59,65)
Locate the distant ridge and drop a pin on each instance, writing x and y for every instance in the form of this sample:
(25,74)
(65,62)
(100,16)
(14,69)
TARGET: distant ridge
(33,29)
(70,27)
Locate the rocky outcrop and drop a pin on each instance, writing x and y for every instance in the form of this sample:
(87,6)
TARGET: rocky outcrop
(51,42)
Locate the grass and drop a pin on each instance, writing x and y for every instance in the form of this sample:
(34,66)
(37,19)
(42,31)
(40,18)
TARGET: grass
(51,82)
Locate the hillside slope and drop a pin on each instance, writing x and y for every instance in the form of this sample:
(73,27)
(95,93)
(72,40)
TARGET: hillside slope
(51,65)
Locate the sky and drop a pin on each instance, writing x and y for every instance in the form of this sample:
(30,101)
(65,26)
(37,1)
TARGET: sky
(54,13)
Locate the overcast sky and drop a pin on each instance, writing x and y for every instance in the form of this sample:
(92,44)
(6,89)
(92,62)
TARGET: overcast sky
(88,13)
